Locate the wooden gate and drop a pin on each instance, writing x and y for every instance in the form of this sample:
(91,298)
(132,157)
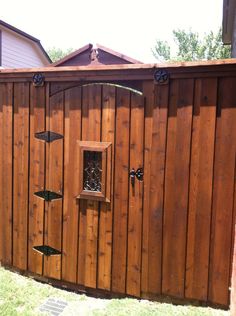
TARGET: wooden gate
(79,223)
(121,178)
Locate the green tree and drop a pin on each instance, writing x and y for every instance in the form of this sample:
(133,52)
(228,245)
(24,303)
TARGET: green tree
(57,53)
(190,46)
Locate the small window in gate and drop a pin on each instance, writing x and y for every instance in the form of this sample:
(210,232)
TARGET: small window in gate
(92,180)
(95,168)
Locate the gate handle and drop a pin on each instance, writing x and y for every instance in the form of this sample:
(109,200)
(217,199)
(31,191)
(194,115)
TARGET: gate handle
(132,174)
(138,174)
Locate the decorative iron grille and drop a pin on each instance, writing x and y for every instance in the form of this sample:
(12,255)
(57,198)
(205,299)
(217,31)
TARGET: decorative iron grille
(92,171)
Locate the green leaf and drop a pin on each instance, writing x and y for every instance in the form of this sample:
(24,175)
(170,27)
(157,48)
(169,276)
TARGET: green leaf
(193,47)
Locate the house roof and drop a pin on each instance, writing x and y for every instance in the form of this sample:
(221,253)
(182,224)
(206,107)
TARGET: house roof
(26,35)
(70,56)
(99,55)
(228,20)
(122,56)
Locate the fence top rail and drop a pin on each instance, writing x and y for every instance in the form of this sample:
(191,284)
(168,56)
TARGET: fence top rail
(231,61)
(127,71)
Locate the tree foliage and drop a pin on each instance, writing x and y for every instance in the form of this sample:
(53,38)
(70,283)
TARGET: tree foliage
(190,46)
(57,53)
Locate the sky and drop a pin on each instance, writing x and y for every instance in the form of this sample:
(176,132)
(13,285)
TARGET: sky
(127,26)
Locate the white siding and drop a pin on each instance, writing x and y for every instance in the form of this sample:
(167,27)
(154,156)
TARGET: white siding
(19,52)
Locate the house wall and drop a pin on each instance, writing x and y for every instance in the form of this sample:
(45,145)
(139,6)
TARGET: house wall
(83,59)
(18,52)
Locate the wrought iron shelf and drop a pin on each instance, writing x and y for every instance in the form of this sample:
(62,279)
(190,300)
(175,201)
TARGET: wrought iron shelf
(48,136)
(48,195)
(47,250)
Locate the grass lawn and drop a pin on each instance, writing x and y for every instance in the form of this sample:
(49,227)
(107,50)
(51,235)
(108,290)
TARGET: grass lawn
(23,296)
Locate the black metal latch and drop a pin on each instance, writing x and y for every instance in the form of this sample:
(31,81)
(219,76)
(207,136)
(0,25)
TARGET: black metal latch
(48,136)
(132,174)
(48,195)
(138,174)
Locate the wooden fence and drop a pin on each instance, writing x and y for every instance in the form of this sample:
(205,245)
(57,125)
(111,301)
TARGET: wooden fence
(168,234)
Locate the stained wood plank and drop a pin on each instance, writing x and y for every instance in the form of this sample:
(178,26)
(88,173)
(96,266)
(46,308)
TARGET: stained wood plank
(177,186)
(54,182)
(200,194)
(106,209)
(88,230)
(224,164)
(82,242)
(154,192)
(71,178)
(121,187)
(37,178)
(233,254)
(134,255)
(91,132)
(148,91)
(6,111)
(21,170)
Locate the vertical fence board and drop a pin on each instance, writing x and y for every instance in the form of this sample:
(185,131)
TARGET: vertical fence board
(155,195)
(200,195)
(71,178)
(88,231)
(37,177)
(233,255)
(92,132)
(21,169)
(176,186)
(148,91)
(106,209)
(224,163)
(134,257)
(6,91)
(121,171)
(54,182)
(82,242)
(83,203)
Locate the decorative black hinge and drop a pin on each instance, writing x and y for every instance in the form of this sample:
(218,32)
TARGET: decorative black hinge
(161,76)
(48,136)
(48,195)
(47,250)
(38,80)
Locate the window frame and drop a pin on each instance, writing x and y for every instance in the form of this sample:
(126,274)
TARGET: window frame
(105,149)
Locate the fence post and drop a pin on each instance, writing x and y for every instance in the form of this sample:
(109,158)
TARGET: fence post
(233,282)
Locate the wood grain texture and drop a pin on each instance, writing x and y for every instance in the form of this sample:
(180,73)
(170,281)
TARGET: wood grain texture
(121,189)
(155,192)
(91,130)
(37,178)
(6,139)
(200,191)
(88,229)
(134,253)
(106,209)
(223,188)
(177,186)
(54,182)
(148,91)
(21,170)
(71,178)
(176,239)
